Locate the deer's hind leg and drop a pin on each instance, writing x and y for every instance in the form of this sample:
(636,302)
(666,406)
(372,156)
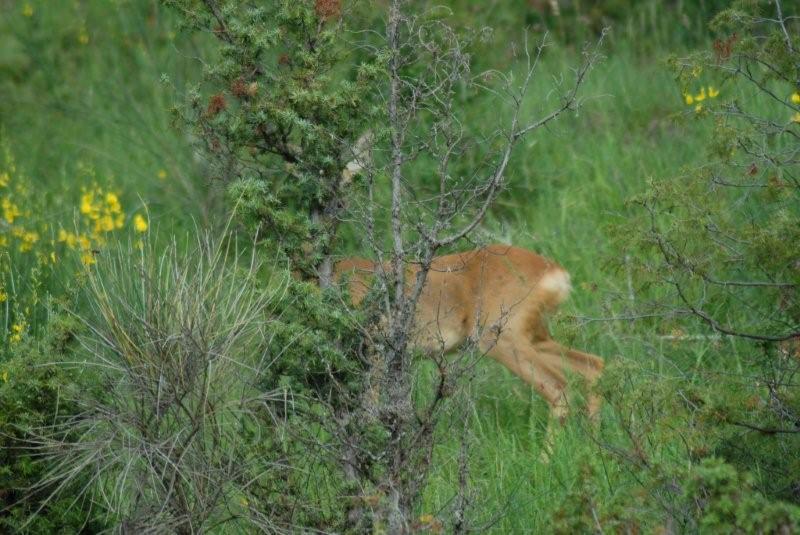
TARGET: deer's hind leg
(589,366)
(543,370)
(538,369)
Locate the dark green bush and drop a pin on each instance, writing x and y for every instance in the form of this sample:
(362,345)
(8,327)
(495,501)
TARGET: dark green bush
(36,393)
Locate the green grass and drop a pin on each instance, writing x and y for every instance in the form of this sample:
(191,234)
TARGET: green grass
(103,105)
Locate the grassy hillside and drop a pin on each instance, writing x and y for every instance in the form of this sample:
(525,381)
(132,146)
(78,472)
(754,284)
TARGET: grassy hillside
(87,89)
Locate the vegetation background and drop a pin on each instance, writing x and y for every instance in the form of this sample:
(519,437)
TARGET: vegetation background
(91,157)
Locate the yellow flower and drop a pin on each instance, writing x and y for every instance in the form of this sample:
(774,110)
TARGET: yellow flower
(28,238)
(688,98)
(139,223)
(113,203)
(84,242)
(162,174)
(27,10)
(712,92)
(698,108)
(796,118)
(701,96)
(104,224)
(3,295)
(16,332)
(83,37)
(796,98)
(53,256)
(10,210)
(87,204)
(67,237)
(88,259)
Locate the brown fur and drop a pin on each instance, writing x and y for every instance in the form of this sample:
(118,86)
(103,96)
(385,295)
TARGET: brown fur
(500,296)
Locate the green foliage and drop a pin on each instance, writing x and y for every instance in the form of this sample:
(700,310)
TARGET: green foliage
(716,250)
(278,113)
(319,337)
(726,501)
(35,393)
(672,389)
(174,434)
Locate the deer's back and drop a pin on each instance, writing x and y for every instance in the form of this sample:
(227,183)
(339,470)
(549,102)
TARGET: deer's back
(495,287)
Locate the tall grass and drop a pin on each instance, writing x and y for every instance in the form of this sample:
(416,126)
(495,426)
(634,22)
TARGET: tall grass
(103,102)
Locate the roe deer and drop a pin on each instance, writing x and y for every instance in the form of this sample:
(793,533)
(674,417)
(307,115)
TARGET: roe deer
(498,295)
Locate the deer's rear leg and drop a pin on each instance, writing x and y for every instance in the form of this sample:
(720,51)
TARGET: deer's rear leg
(540,370)
(543,365)
(589,366)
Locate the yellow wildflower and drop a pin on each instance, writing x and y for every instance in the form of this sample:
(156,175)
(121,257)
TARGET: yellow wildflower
(16,332)
(701,96)
(796,98)
(68,238)
(88,258)
(712,92)
(688,98)
(84,242)
(53,256)
(113,203)
(28,238)
(104,224)
(87,205)
(139,223)
(83,37)
(3,295)
(796,118)
(104,209)
(10,210)
(162,174)
(27,10)
(698,108)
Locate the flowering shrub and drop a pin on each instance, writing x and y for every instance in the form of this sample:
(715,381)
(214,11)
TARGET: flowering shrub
(698,98)
(40,248)
(716,254)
